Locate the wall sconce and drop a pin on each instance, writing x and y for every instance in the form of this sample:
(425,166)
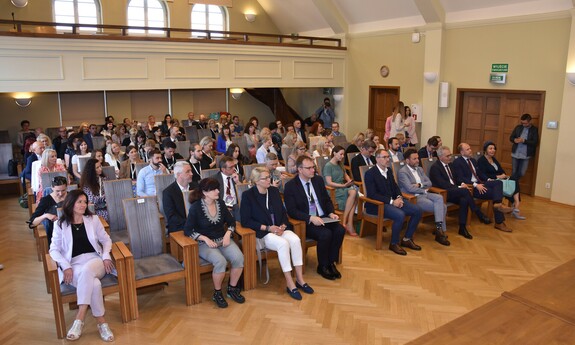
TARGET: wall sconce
(23,102)
(250,16)
(236,93)
(430,77)
(571,78)
(19,3)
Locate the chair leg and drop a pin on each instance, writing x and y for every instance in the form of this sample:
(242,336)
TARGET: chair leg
(361,233)
(58,309)
(379,236)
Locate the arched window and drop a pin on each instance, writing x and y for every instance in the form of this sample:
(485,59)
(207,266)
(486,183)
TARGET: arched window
(151,13)
(208,17)
(77,12)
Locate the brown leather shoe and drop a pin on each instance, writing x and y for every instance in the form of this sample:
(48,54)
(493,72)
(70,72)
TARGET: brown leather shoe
(502,208)
(397,249)
(502,227)
(410,244)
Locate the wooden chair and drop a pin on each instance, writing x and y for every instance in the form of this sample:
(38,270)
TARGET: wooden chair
(62,293)
(218,159)
(47,177)
(116,191)
(109,172)
(140,166)
(340,140)
(161,182)
(183,148)
(377,219)
(191,135)
(320,162)
(205,173)
(248,170)
(99,143)
(350,156)
(243,144)
(82,162)
(146,264)
(6,154)
(204,132)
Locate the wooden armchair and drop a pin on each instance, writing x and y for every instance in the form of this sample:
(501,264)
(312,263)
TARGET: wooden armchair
(209,173)
(62,293)
(116,191)
(378,218)
(146,264)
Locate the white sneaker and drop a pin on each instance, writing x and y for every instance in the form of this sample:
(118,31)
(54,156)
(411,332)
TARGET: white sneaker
(105,332)
(516,214)
(76,330)
(1,267)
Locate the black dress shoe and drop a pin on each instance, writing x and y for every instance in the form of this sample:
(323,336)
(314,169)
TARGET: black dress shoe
(483,218)
(305,287)
(397,249)
(334,271)
(441,238)
(463,232)
(410,244)
(325,272)
(294,294)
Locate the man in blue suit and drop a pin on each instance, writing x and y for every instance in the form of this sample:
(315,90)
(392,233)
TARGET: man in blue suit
(37,149)
(380,185)
(467,172)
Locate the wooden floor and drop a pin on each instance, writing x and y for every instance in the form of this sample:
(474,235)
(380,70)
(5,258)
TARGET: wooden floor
(383,298)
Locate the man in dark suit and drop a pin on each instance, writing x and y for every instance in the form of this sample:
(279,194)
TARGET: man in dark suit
(173,197)
(465,168)
(442,175)
(37,149)
(365,157)
(380,185)
(430,149)
(228,177)
(299,131)
(92,132)
(170,156)
(190,121)
(311,188)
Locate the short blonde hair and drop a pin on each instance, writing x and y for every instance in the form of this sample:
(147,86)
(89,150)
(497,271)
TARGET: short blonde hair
(257,173)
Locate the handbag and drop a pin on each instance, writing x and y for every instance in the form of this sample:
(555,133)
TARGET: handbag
(508,187)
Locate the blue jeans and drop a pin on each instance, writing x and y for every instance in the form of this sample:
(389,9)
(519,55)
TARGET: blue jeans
(519,168)
(398,216)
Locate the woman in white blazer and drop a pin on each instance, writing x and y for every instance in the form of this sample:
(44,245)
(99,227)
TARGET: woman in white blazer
(81,248)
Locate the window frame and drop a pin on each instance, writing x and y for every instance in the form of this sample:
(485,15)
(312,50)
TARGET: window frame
(150,32)
(99,18)
(225,18)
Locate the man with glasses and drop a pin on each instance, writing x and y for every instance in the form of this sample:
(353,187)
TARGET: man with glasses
(524,138)
(365,157)
(413,180)
(380,185)
(227,178)
(430,149)
(442,175)
(46,212)
(307,199)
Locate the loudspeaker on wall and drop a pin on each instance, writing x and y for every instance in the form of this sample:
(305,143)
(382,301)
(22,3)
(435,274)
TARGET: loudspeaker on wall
(443,94)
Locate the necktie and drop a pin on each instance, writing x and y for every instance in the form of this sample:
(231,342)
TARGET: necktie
(367,161)
(449,173)
(312,207)
(473,170)
(229,187)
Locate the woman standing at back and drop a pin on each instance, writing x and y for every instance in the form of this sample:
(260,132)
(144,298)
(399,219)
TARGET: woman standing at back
(398,124)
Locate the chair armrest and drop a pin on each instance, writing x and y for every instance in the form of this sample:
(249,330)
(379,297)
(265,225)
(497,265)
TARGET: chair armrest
(440,191)
(409,197)
(105,224)
(124,251)
(371,201)
(249,251)
(51,265)
(116,253)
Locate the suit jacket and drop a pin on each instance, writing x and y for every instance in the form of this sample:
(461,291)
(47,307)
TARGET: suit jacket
(254,212)
(350,149)
(223,183)
(488,169)
(531,141)
(302,132)
(439,177)
(359,161)
(407,180)
(463,172)
(422,153)
(62,243)
(294,196)
(27,173)
(174,207)
(378,187)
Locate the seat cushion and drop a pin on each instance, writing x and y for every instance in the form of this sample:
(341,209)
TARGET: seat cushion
(153,266)
(107,280)
(120,236)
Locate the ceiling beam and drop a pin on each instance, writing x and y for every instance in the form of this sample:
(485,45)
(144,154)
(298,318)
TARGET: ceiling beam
(332,16)
(431,10)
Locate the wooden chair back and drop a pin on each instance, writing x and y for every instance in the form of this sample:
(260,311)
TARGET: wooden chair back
(426,164)
(248,170)
(191,135)
(161,182)
(47,177)
(240,189)
(140,166)
(82,162)
(209,173)
(340,140)
(109,172)
(187,204)
(99,143)
(243,144)
(362,170)
(204,132)
(395,167)
(116,191)
(143,224)
(350,156)
(183,148)
(320,163)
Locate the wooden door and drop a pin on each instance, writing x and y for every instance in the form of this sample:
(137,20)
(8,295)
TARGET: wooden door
(382,99)
(483,115)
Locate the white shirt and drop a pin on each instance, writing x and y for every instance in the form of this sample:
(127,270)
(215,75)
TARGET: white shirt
(312,192)
(232,190)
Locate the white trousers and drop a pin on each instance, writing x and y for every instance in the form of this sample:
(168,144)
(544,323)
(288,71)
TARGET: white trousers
(285,244)
(87,271)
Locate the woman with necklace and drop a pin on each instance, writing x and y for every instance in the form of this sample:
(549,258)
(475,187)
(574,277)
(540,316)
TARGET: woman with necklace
(206,223)
(128,167)
(262,210)
(81,248)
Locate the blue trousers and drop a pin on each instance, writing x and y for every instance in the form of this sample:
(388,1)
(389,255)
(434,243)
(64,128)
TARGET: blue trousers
(398,216)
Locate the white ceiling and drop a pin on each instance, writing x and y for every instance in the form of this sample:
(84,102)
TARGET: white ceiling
(338,17)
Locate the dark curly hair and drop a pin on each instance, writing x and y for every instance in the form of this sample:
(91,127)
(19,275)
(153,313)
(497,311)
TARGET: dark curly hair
(206,185)
(89,177)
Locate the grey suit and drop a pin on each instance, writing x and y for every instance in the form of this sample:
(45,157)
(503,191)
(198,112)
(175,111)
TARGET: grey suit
(429,202)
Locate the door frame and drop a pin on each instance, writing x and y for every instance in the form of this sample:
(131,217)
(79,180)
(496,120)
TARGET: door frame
(372,89)
(459,115)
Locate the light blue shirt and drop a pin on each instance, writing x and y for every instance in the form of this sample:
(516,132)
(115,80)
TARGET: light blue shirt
(145,185)
(521,152)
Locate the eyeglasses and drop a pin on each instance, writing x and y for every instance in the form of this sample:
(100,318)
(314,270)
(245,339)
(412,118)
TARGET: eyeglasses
(384,157)
(301,148)
(265,178)
(311,167)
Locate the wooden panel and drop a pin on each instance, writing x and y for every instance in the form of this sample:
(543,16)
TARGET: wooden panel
(382,100)
(15,67)
(192,68)
(95,68)
(257,69)
(313,70)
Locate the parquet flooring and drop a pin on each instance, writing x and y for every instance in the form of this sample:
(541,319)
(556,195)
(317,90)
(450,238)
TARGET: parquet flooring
(382,298)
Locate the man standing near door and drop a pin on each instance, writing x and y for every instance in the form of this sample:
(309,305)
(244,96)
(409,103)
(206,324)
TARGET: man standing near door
(525,138)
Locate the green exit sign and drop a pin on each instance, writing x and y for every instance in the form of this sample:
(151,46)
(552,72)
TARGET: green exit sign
(500,67)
